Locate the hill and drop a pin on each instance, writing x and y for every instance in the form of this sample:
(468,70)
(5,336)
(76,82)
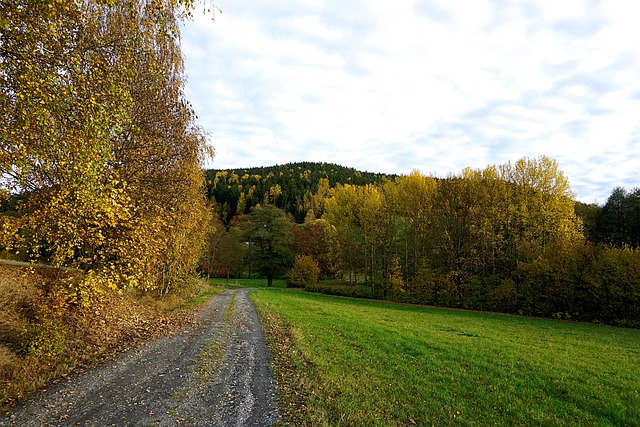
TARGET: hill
(290,187)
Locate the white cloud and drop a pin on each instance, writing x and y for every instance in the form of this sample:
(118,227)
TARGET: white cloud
(313,27)
(434,86)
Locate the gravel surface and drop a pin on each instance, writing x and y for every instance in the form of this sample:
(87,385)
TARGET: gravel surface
(213,374)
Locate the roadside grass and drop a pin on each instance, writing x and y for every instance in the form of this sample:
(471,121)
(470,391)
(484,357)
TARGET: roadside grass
(210,357)
(213,289)
(262,283)
(72,337)
(371,363)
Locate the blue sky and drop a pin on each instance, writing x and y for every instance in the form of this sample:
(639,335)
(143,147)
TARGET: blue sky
(393,86)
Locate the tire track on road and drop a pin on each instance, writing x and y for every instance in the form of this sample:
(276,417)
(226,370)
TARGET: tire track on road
(213,374)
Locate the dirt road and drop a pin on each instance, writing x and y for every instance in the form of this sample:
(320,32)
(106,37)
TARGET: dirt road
(215,374)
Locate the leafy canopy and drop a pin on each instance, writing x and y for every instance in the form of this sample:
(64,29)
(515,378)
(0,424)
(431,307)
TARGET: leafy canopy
(267,230)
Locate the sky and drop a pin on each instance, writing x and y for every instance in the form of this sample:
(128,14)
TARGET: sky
(428,85)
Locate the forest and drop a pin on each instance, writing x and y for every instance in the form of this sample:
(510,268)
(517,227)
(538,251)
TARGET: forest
(508,238)
(291,187)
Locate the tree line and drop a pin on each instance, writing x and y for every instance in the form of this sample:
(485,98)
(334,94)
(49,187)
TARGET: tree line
(504,238)
(615,223)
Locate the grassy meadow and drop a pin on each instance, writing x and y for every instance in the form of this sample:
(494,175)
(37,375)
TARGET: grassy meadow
(249,283)
(348,362)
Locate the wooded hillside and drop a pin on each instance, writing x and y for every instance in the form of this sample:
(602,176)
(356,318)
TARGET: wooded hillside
(291,187)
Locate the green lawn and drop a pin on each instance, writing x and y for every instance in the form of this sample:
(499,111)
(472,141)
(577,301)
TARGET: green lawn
(372,363)
(213,289)
(250,283)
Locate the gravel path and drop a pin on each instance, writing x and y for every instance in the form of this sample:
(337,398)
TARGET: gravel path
(215,374)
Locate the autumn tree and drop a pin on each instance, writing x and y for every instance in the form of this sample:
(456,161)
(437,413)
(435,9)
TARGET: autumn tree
(98,139)
(350,236)
(410,200)
(346,232)
(453,217)
(361,233)
(615,287)
(377,225)
(209,263)
(304,272)
(312,239)
(225,251)
(542,208)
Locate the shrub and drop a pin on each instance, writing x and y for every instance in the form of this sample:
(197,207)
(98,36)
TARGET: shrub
(304,273)
(46,337)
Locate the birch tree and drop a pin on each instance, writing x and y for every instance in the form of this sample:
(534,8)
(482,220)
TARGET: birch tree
(98,140)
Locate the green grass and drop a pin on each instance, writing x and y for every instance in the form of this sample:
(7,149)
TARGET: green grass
(250,283)
(213,289)
(371,363)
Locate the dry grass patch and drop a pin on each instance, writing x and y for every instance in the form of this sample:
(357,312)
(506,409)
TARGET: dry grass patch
(43,337)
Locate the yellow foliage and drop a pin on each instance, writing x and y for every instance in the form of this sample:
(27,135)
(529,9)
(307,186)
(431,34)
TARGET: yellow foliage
(395,277)
(99,144)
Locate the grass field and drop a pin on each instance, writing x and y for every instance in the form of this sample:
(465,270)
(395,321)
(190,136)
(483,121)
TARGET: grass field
(371,363)
(213,289)
(260,283)
(250,283)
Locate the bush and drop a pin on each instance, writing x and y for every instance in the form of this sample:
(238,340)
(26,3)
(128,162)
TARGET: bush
(304,273)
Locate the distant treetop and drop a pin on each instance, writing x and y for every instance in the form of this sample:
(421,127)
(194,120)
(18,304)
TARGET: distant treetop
(290,186)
